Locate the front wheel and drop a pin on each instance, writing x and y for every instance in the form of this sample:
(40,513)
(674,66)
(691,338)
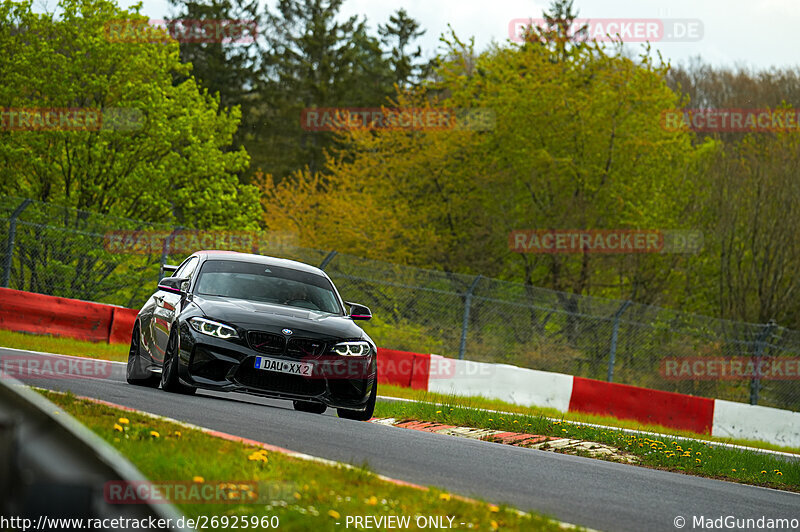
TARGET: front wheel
(131,372)
(365,415)
(169,371)
(313,408)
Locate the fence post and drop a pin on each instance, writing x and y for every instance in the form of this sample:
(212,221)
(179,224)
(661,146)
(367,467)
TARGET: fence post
(465,322)
(328,259)
(755,382)
(12,233)
(612,355)
(165,251)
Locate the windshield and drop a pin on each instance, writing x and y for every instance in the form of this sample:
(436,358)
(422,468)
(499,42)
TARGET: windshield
(267,284)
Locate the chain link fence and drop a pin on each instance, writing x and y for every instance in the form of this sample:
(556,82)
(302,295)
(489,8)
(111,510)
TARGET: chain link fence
(65,252)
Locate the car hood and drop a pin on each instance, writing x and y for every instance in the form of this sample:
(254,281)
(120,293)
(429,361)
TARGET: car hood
(254,315)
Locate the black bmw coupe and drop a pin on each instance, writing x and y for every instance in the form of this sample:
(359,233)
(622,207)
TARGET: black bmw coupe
(231,321)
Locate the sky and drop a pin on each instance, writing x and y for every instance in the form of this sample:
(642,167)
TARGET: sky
(754,33)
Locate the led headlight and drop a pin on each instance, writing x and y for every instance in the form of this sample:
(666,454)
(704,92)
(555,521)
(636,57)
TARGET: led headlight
(352,349)
(213,328)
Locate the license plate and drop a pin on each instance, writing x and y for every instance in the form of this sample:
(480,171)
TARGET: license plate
(284,366)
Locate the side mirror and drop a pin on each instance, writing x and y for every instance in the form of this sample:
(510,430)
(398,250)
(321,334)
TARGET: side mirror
(359,312)
(172,284)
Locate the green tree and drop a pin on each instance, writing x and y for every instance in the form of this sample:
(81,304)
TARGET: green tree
(399,34)
(314,59)
(558,33)
(162,152)
(226,65)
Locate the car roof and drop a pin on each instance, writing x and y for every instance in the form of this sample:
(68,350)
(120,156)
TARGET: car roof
(258,259)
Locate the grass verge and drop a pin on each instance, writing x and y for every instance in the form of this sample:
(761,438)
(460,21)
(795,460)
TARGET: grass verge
(671,453)
(302,494)
(64,346)
(119,352)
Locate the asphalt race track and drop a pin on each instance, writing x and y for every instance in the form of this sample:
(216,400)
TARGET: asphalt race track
(592,493)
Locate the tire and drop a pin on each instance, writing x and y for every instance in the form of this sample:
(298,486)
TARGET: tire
(365,415)
(312,408)
(169,371)
(134,354)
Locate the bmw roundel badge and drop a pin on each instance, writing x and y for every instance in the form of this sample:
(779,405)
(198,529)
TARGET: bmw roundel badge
(287,332)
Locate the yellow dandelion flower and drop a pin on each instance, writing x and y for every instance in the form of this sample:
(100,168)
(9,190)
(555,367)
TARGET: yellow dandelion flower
(493,508)
(297,495)
(155,434)
(123,421)
(177,434)
(444,496)
(438,411)
(779,474)
(373,500)
(494,525)
(198,479)
(763,472)
(117,427)
(697,460)
(334,514)
(733,470)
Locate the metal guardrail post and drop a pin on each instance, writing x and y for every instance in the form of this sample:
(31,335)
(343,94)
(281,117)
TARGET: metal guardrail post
(465,321)
(612,354)
(328,259)
(755,382)
(12,233)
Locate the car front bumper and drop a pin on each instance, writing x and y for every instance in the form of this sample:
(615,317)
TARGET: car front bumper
(224,365)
